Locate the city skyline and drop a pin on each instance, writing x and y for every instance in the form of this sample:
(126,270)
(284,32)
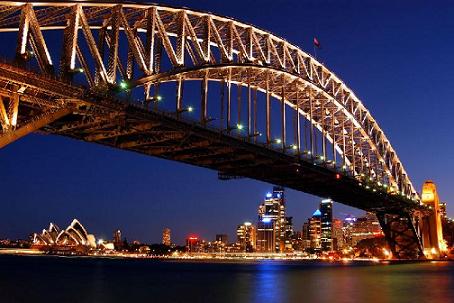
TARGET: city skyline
(66,178)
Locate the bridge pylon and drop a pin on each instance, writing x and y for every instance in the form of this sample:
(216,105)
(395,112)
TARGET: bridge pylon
(432,232)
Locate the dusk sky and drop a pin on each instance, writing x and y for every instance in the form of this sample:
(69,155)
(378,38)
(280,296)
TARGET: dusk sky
(397,58)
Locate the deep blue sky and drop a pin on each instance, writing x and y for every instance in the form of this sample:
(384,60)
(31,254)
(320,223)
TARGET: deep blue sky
(398,58)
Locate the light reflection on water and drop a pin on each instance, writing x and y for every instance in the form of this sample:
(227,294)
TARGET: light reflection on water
(50,279)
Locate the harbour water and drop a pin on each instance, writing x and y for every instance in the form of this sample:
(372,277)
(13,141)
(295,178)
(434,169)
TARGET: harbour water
(65,279)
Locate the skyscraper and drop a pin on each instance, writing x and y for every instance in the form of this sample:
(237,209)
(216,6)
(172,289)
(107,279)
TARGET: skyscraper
(443,213)
(222,238)
(326,210)
(193,244)
(246,237)
(118,244)
(338,234)
(305,235)
(266,236)
(166,237)
(271,214)
(364,228)
(315,230)
(288,234)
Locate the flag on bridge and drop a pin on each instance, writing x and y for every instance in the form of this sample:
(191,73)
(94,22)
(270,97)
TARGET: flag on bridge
(317,43)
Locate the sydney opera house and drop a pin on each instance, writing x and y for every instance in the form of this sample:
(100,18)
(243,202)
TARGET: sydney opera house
(75,236)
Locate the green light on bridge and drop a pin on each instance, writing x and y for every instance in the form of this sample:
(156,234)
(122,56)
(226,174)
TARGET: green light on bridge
(123,85)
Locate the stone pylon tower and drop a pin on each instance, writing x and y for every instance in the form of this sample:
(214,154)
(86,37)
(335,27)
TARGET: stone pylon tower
(432,233)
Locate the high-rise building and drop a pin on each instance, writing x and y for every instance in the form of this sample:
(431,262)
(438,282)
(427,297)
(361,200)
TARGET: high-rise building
(266,236)
(357,229)
(272,210)
(222,238)
(193,244)
(305,235)
(315,230)
(246,237)
(166,237)
(338,234)
(326,210)
(443,213)
(118,244)
(288,235)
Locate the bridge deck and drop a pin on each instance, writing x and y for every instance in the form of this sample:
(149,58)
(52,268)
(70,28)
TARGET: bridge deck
(163,135)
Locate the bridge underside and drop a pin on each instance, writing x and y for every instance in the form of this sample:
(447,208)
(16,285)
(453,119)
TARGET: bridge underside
(164,136)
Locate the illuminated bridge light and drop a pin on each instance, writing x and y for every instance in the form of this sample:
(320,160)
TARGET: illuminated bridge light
(190,109)
(123,85)
(278,141)
(239,126)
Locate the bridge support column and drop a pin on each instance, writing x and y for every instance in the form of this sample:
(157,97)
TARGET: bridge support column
(432,232)
(402,234)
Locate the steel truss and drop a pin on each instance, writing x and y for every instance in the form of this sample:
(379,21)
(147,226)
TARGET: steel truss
(191,40)
(402,234)
(106,46)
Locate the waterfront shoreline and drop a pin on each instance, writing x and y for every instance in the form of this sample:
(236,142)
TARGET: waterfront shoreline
(214,259)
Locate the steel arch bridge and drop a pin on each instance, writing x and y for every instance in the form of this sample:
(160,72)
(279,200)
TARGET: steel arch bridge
(202,89)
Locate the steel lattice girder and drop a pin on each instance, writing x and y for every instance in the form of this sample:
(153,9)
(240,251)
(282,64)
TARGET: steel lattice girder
(402,235)
(207,40)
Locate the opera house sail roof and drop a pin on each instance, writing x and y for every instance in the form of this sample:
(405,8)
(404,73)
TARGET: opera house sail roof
(74,235)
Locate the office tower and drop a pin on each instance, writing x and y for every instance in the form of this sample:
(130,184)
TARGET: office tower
(246,237)
(297,241)
(363,228)
(266,236)
(193,244)
(288,234)
(326,210)
(338,234)
(305,235)
(443,213)
(118,244)
(272,213)
(222,238)
(315,230)
(166,237)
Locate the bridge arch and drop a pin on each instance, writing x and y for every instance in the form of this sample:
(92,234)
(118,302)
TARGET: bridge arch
(167,44)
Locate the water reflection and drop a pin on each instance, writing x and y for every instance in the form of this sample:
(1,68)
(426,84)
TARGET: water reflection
(270,284)
(42,279)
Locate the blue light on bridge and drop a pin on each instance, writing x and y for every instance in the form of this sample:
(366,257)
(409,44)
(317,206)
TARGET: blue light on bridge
(269,195)
(266,220)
